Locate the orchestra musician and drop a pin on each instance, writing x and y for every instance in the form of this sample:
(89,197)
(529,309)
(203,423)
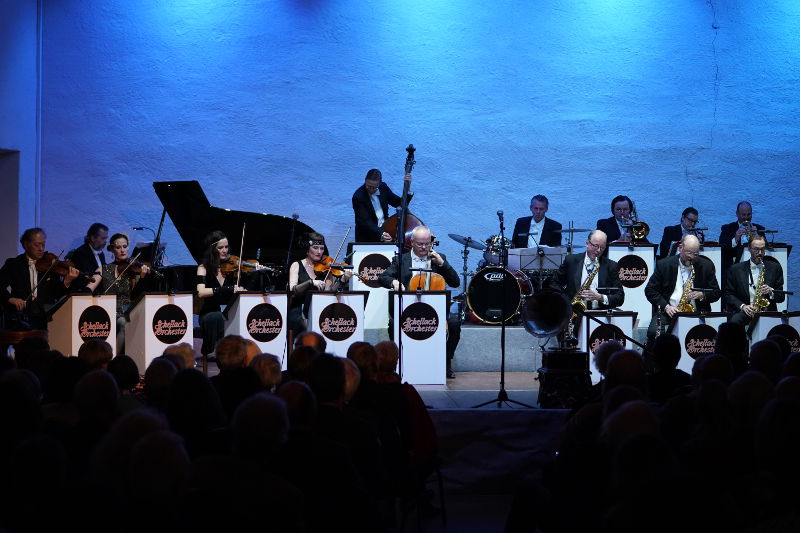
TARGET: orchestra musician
(674,234)
(27,289)
(674,280)
(215,289)
(742,283)
(733,237)
(576,269)
(423,256)
(371,204)
(91,254)
(119,277)
(536,229)
(622,210)
(307,275)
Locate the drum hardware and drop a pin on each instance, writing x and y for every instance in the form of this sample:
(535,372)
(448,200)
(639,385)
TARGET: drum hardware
(467,242)
(491,254)
(571,230)
(502,395)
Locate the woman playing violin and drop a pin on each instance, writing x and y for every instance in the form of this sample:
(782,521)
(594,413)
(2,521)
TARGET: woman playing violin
(119,277)
(309,274)
(214,289)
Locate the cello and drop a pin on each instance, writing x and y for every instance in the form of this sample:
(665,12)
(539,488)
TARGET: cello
(400,230)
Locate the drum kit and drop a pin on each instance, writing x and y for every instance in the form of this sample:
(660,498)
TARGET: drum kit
(497,294)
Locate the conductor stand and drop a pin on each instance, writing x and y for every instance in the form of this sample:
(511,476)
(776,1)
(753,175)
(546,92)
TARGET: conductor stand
(502,395)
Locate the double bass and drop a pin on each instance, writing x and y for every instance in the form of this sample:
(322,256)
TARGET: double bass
(393,225)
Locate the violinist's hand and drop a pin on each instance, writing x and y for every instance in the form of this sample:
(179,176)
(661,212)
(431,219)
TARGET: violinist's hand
(318,284)
(72,274)
(397,286)
(385,237)
(407,178)
(145,270)
(18,304)
(436,258)
(347,275)
(238,288)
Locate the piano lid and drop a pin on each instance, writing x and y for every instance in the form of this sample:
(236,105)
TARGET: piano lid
(194,218)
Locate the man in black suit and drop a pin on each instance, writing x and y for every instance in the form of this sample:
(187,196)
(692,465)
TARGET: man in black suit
(371,204)
(673,234)
(542,228)
(740,284)
(422,256)
(666,285)
(24,292)
(91,255)
(577,268)
(621,208)
(734,237)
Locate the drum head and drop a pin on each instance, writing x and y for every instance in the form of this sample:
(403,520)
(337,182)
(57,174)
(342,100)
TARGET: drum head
(495,294)
(493,245)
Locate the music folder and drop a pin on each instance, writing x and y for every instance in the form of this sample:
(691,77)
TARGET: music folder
(546,257)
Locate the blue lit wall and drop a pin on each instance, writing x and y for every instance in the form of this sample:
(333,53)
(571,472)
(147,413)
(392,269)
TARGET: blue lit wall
(282,106)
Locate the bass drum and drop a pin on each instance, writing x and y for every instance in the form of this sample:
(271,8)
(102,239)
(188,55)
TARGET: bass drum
(496,294)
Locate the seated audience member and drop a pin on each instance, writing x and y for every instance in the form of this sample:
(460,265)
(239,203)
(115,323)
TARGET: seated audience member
(96,354)
(268,368)
(126,374)
(791,367)
(298,364)
(667,379)
(313,339)
(388,355)
(731,342)
(185,350)
(195,412)
(352,380)
(235,381)
(711,367)
(158,379)
(765,357)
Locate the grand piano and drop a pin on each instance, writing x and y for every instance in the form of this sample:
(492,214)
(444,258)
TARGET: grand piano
(266,237)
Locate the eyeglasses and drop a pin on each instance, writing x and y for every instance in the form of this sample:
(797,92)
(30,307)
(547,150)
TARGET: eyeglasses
(691,254)
(759,251)
(593,246)
(421,244)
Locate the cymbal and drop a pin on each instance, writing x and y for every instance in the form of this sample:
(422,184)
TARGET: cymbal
(467,241)
(570,230)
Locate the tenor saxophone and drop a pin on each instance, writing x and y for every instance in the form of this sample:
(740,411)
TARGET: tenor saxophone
(578,305)
(759,302)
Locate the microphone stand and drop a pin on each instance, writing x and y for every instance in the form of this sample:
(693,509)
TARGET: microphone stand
(295,216)
(502,395)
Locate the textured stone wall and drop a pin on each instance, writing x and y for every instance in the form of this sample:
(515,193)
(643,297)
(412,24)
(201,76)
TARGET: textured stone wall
(282,107)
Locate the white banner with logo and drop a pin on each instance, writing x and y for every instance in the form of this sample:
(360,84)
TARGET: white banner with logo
(786,325)
(158,320)
(423,323)
(696,333)
(636,263)
(260,318)
(615,326)
(780,252)
(81,317)
(339,317)
(713,252)
(369,261)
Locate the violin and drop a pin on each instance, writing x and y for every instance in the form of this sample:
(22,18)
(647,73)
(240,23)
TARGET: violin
(50,261)
(231,265)
(327,265)
(132,268)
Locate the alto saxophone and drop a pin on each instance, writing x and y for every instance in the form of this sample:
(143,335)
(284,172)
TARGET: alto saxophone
(684,304)
(578,305)
(759,302)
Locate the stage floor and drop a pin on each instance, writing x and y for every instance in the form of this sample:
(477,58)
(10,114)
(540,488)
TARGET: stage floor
(469,389)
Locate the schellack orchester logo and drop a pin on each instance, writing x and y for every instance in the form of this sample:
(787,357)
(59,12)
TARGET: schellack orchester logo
(633,271)
(699,341)
(419,321)
(371,267)
(264,322)
(606,332)
(94,323)
(170,324)
(787,332)
(338,322)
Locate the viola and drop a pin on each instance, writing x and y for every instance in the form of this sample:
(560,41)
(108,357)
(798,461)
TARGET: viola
(132,268)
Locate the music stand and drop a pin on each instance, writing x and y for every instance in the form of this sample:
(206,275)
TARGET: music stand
(502,395)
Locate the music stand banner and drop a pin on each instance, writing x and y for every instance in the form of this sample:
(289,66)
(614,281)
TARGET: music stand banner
(339,317)
(636,264)
(696,333)
(369,261)
(158,320)
(615,326)
(713,251)
(780,252)
(786,325)
(423,323)
(80,317)
(262,319)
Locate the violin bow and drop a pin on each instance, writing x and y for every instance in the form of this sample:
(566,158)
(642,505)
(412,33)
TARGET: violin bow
(117,278)
(338,252)
(241,256)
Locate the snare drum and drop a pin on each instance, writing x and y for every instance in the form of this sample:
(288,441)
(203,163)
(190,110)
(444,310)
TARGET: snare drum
(495,294)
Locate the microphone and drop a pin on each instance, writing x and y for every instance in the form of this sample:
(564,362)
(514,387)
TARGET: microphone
(139,228)
(295,216)
(607,290)
(769,231)
(703,290)
(525,234)
(500,214)
(788,293)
